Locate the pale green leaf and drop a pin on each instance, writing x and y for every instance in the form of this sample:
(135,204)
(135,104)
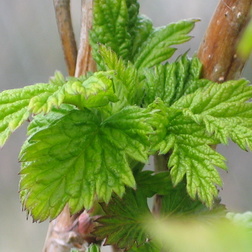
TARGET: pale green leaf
(79,158)
(192,235)
(223,109)
(14,107)
(191,156)
(42,121)
(95,91)
(157,48)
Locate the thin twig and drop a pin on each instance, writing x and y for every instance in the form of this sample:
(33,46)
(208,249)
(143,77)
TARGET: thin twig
(64,22)
(218,49)
(85,61)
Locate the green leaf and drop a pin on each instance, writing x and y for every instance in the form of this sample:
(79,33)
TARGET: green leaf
(113,26)
(123,222)
(143,29)
(223,110)
(95,91)
(146,247)
(156,48)
(79,158)
(206,117)
(14,107)
(177,202)
(171,81)
(191,156)
(42,121)
(131,127)
(127,84)
(151,184)
(133,10)
(93,248)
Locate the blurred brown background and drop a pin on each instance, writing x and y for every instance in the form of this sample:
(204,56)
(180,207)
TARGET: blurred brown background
(31,52)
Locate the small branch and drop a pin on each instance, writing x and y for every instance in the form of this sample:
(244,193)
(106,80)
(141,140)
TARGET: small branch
(64,22)
(85,61)
(218,49)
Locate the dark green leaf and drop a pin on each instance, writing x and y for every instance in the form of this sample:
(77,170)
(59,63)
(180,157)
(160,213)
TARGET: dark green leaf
(151,184)
(123,222)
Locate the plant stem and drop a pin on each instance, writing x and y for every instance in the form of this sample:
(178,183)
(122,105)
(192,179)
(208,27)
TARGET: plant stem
(218,50)
(85,61)
(64,22)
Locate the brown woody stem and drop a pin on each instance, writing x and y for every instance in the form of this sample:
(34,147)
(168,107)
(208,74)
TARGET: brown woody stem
(64,22)
(218,50)
(85,61)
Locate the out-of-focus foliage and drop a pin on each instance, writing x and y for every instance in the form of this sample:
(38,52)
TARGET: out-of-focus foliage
(191,235)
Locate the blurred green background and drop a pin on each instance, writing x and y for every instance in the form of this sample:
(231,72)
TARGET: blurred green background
(31,52)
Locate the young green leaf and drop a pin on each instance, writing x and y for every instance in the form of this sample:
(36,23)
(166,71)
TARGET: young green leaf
(143,29)
(133,10)
(14,107)
(171,81)
(92,162)
(95,91)
(112,26)
(156,48)
(191,156)
(127,84)
(42,121)
(223,110)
